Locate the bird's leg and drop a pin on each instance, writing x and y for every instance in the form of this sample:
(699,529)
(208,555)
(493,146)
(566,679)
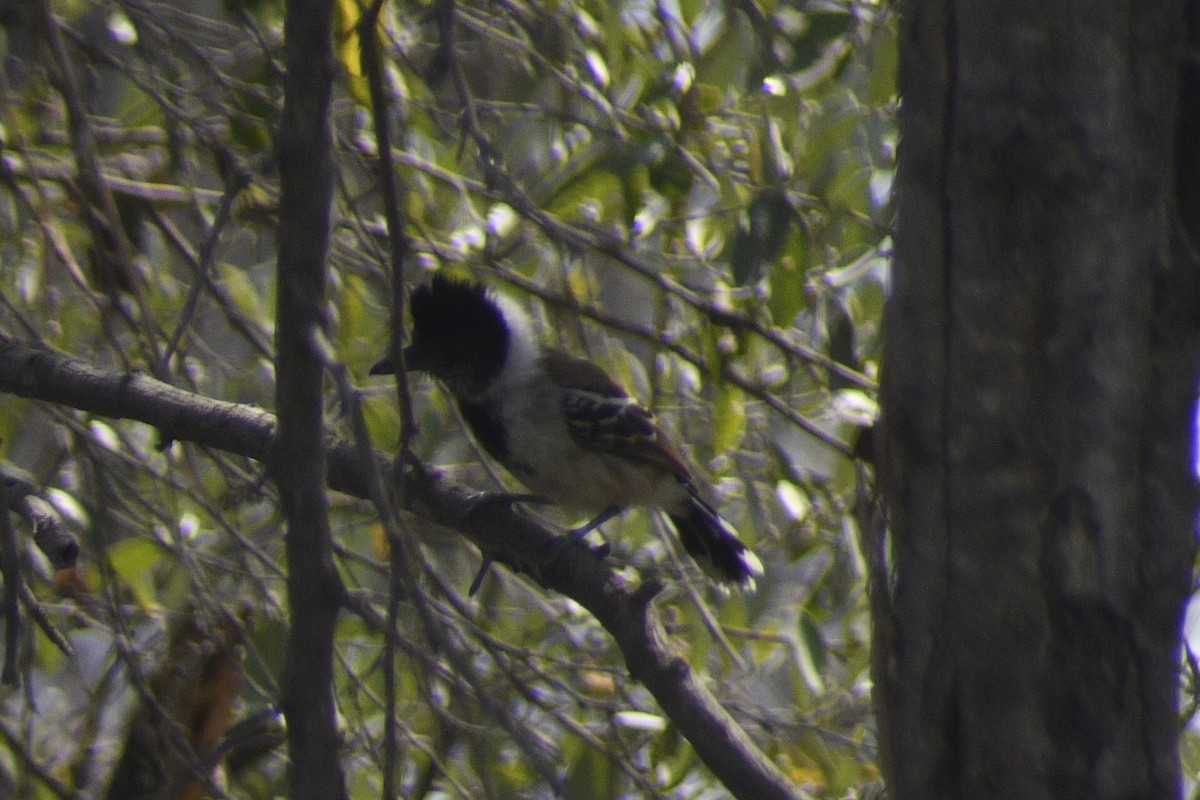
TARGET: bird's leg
(477,581)
(573,535)
(577,534)
(604,516)
(491,499)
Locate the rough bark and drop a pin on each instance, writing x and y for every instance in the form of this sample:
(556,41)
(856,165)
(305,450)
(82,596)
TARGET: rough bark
(304,146)
(1038,389)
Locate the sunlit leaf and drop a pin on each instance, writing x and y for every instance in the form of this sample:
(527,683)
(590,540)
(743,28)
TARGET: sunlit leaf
(729,419)
(348,15)
(242,290)
(134,560)
(640,720)
(811,654)
(885,58)
(787,281)
(592,198)
(792,500)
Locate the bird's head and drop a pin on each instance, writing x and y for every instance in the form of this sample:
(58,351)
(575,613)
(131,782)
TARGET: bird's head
(460,335)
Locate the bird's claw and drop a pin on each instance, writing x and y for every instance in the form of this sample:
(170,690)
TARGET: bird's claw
(478,580)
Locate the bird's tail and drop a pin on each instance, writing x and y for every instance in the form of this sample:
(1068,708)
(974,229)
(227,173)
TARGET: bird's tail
(715,546)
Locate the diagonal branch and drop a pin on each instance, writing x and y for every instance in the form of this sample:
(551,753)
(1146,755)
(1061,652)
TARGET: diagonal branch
(627,614)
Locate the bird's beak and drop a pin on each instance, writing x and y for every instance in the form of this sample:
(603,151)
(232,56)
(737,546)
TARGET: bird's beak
(412,360)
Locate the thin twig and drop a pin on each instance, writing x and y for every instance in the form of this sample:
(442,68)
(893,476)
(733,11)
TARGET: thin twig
(204,260)
(401,250)
(112,252)
(10,563)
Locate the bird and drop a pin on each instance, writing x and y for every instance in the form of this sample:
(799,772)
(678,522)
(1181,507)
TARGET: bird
(560,424)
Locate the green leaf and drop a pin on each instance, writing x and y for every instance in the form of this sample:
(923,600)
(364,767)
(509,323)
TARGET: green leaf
(787,280)
(811,654)
(760,238)
(242,291)
(1189,750)
(884,64)
(597,195)
(729,418)
(134,561)
(591,774)
(823,29)
(726,61)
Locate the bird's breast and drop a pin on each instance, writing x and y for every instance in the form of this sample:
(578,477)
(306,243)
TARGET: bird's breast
(542,453)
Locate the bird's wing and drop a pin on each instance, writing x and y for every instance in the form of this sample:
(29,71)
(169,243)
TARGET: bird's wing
(602,416)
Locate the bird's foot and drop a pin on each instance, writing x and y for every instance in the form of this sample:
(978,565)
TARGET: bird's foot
(488,499)
(575,535)
(482,501)
(601,518)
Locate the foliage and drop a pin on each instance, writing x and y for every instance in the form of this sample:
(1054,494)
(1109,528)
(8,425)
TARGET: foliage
(692,193)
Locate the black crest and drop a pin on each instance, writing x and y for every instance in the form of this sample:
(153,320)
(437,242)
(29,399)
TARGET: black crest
(459,334)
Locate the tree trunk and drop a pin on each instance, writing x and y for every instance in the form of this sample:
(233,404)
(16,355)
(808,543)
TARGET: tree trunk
(1038,389)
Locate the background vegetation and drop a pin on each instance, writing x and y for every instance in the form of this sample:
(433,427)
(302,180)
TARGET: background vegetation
(694,194)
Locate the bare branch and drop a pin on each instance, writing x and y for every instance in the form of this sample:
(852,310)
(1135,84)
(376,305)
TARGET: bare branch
(304,146)
(10,565)
(511,538)
(55,542)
